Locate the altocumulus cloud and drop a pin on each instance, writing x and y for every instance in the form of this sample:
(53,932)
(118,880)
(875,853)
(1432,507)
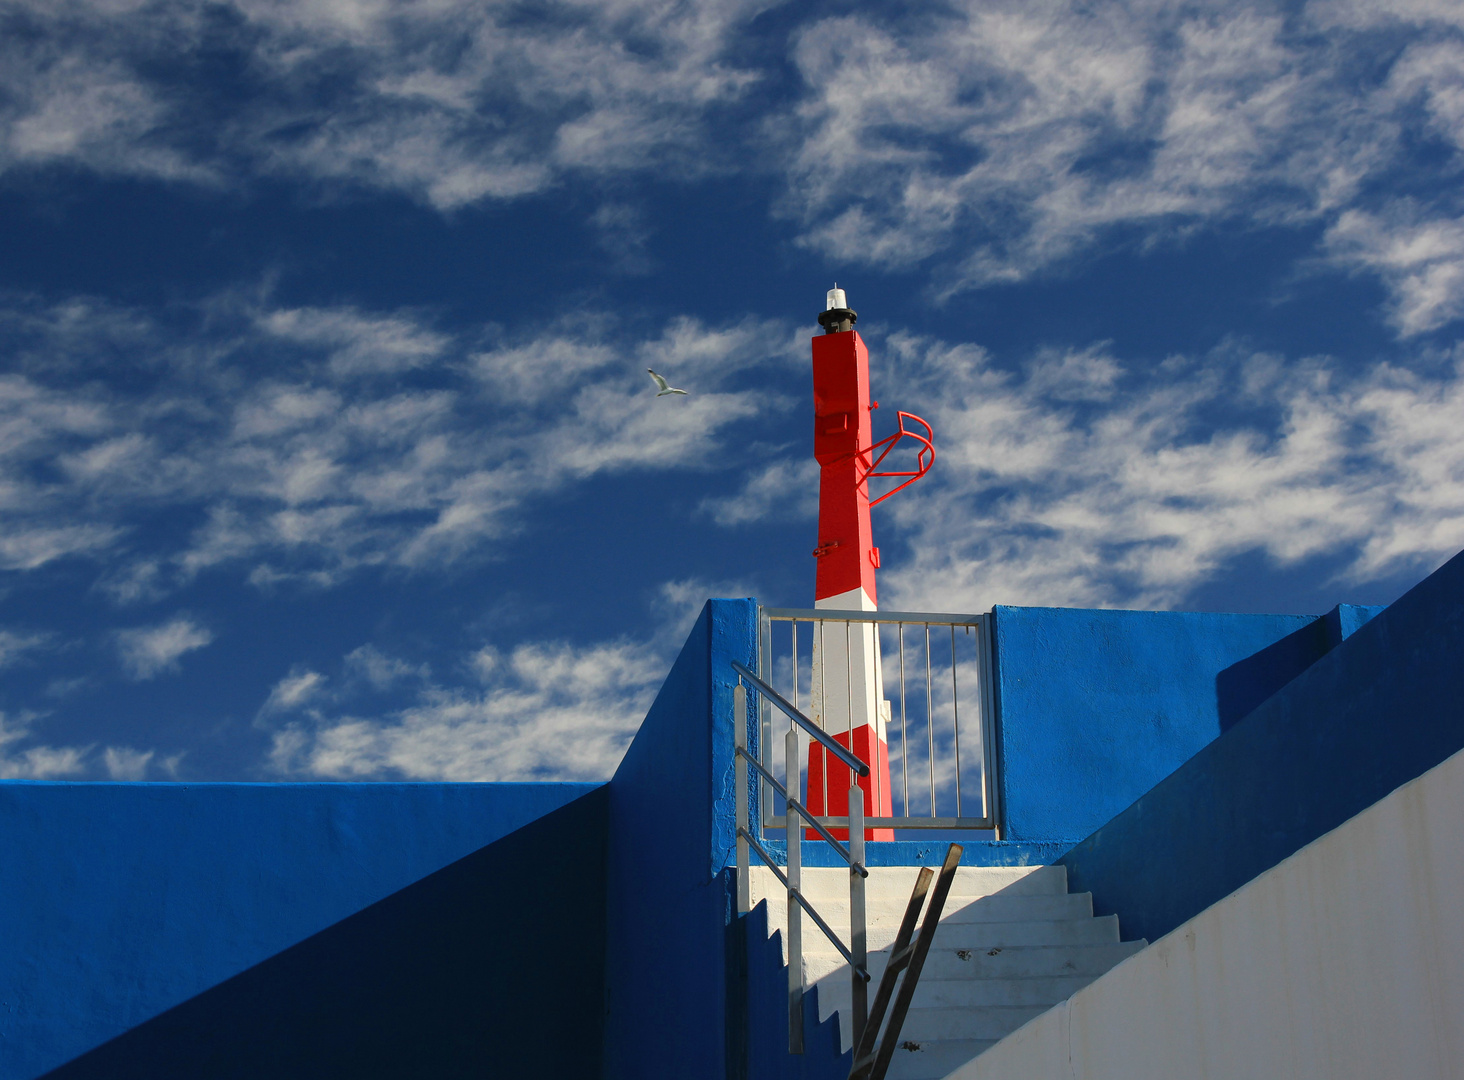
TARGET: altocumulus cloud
(286,435)
(148,651)
(1077,480)
(991,141)
(544,710)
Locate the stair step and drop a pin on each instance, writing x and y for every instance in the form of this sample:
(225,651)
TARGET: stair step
(834,993)
(983,935)
(933,1060)
(980,993)
(895,882)
(1003,962)
(984,909)
(928,1025)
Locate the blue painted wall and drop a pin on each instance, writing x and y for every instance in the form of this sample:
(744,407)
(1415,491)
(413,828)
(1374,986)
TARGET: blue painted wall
(1378,710)
(1245,684)
(762,1034)
(670,899)
(121,901)
(1096,707)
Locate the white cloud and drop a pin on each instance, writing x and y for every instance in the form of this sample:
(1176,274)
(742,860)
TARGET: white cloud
(36,762)
(1421,260)
(541,711)
(294,691)
(14,644)
(991,140)
(125,763)
(782,489)
(146,652)
(1141,499)
(358,344)
(299,467)
(1002,140)
(1077,481)
(373,94)
(379,670)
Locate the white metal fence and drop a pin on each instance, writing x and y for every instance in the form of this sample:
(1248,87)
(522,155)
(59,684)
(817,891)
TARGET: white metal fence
(935,680)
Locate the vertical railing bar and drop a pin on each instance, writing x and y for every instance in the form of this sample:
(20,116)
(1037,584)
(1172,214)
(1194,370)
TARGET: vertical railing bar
(858,937)
(739,742)
(929,722)
(956,721)
(793,830)
(848,688)
(765,720)
(848,704)
(904,743)
(793,648)
(823,756)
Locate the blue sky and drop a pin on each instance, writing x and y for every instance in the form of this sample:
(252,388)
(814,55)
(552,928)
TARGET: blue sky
(326,445)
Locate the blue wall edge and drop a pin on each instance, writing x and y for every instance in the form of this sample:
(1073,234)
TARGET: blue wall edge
(927,852)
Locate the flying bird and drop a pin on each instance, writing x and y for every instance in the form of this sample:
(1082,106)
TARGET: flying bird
(663,386)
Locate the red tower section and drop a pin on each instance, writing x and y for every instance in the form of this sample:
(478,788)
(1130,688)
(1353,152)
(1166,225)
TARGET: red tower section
(847,557)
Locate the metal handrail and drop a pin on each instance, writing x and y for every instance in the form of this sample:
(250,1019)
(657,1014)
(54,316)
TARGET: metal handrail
(837,749)
(857,954)
(805,813)
(805,904)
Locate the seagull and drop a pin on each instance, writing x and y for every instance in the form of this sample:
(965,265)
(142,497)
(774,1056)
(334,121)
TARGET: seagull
(664,386)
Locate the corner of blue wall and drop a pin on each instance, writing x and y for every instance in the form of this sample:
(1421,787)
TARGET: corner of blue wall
(669,897)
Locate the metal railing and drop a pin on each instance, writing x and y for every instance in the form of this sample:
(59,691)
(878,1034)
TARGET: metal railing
(938,723)
(856,953)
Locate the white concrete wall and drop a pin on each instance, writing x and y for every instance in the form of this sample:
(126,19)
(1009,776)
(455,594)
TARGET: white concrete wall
(1346,960)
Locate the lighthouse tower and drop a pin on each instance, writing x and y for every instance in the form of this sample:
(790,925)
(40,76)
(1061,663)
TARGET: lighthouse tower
(848,685)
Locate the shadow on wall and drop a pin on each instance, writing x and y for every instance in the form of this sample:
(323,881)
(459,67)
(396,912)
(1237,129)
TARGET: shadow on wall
(759,1037)
(492,966)
(1244,685)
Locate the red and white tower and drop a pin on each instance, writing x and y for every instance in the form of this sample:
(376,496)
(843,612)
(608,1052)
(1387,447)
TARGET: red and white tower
(848,685)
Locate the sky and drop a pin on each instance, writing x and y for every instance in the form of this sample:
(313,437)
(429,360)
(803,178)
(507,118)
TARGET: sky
(327,449)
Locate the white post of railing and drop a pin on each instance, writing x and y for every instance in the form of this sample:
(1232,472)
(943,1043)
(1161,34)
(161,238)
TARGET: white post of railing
(857,938)
(739,743)
(794,829)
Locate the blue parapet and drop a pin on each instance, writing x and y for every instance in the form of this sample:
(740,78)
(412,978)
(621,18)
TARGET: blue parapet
(1376,711)
(1096,707)
(300,930)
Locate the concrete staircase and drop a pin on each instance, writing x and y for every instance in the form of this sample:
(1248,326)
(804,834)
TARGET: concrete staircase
(1012,943)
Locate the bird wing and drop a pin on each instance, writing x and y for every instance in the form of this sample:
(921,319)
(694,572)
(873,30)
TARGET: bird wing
(661,384)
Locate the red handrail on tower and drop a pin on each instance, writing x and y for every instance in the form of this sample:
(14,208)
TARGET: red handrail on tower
(924,458)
